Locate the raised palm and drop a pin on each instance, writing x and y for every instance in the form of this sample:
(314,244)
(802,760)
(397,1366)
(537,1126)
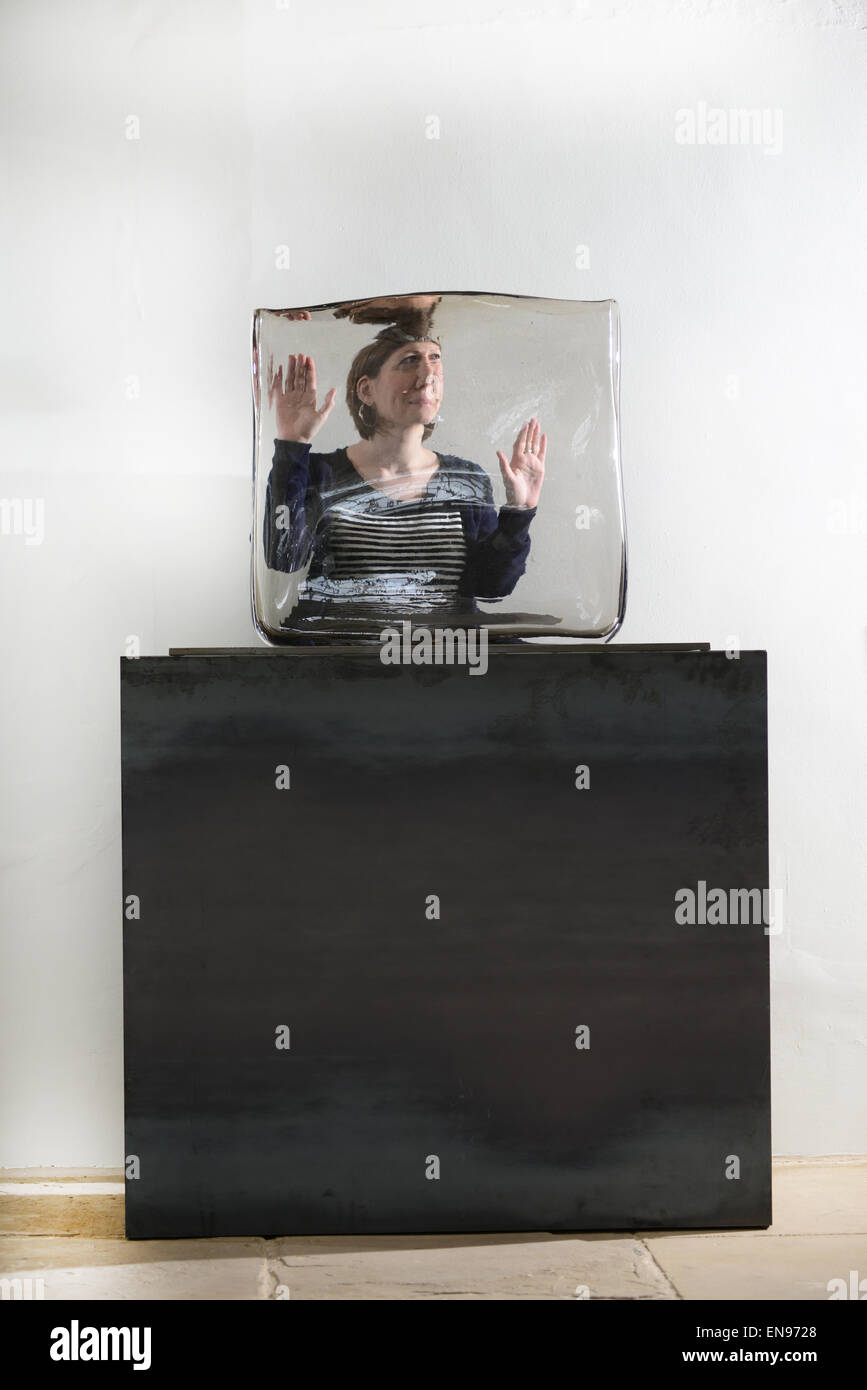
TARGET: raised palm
(524,473)
(294,395)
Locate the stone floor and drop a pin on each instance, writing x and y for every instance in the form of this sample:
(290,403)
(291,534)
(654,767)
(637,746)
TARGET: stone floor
(66,1230)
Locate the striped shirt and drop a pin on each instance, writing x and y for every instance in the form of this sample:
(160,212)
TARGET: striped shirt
(414,554)
(351,545)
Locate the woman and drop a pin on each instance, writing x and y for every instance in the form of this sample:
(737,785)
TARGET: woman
(387,522)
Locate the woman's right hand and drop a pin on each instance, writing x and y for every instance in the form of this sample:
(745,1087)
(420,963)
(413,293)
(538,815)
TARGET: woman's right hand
(295,396)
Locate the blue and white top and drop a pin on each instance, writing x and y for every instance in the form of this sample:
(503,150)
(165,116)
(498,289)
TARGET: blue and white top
(362,546)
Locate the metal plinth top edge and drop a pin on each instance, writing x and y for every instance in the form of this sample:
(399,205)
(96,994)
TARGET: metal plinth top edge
(498,649)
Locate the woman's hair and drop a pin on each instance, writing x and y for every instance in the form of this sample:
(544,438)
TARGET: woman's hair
(369,362)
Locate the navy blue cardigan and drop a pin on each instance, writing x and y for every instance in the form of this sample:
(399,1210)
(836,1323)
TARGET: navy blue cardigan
(310,485)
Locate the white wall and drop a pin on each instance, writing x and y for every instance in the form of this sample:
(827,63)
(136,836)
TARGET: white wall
(740,275)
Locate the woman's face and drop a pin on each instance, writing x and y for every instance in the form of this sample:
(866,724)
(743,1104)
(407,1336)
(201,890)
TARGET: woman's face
(409,387)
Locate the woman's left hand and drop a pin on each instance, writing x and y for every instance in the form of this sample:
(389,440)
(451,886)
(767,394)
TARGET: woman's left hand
(523,476)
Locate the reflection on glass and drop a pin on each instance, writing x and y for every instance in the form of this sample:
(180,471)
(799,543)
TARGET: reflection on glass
(378,523)
(386,520)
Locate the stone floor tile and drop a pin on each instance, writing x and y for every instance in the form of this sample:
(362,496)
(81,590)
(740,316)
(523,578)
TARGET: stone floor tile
(820,1198)
(73,1267)
(756,1266)
(520,1266)
(92,1209)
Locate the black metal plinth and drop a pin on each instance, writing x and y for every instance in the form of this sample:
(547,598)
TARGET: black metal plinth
(432,910)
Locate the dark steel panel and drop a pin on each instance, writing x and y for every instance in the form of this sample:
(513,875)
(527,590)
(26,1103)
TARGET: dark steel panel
(455,1037)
